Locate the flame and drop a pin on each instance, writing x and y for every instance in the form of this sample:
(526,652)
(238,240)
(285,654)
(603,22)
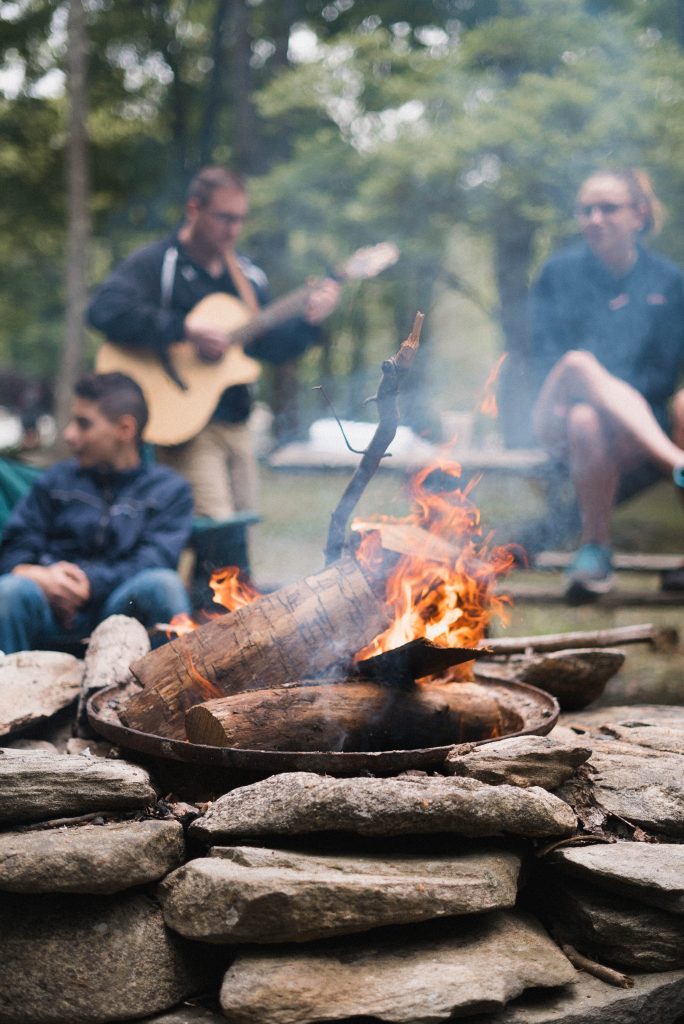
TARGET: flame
(488,405)
(231,591)
(448,602)
(211,691)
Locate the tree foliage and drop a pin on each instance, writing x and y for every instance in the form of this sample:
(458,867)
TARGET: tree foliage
(355,121)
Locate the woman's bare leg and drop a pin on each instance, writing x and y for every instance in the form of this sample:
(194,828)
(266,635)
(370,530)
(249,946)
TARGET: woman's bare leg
(578,377)
(594,471)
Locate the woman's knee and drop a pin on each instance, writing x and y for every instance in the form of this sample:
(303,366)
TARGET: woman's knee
(584,424)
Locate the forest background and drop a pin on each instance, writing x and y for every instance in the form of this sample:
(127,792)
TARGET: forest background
(459,129)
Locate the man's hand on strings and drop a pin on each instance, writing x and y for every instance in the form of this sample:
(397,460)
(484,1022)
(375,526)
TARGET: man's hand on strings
(210,342)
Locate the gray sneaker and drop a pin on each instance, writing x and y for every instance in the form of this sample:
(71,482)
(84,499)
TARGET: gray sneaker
(590,574)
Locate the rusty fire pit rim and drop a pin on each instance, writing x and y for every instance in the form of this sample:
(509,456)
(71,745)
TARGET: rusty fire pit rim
(101,715)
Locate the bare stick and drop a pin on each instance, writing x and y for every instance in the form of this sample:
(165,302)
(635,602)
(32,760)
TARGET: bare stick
(644,633)
(393,372)
(607,974)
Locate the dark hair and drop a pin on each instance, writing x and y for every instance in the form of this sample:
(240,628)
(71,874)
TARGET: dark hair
(641,192)
(115,395)
(209,179)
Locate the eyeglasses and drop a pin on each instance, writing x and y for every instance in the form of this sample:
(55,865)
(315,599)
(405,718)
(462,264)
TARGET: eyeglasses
(607,209)
(227,218)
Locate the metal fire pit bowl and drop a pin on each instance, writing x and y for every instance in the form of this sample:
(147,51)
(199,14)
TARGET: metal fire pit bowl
(525,710)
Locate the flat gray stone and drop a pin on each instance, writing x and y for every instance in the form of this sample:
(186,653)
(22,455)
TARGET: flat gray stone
(671,715)
(184,1015)
(641,784)
(36,785)
(518,761)
(654,999)
(86,960)
(419,975)
(650,872)
(607,928)
(90,858)
(248,894)
(302,802)
(34,686)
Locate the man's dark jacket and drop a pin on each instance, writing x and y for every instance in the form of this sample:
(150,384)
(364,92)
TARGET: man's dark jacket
(130,310)
(111,524)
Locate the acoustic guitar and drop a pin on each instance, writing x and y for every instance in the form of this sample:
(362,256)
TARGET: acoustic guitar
(183,392)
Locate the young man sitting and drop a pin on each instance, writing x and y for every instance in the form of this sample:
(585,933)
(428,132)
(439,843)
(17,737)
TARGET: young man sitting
(98,534)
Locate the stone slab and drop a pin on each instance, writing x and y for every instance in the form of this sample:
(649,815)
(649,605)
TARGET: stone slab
(421,975)
(91,959)
(650,872)
(518,761)
(247,894)
(301,802)
(654,999)
(34,685)
(36,785)
(90,858)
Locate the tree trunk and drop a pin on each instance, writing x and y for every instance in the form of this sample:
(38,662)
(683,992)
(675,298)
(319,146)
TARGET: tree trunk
(78,220)
(215,91)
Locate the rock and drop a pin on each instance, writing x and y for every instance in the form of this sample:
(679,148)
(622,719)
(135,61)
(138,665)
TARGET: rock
(90,858)
(34,685)
(518,761)
(654,735)
(405,976)
(609,929)
(185,1015)
(654,999)
(574,677)
(86,960)
(35,785)
(652,873)
(246,894)
(114,645)
(658,714)
(296,803)
(642,785)
(89,748)
(26,744)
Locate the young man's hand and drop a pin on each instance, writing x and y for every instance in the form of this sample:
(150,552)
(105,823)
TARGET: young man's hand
(65,585)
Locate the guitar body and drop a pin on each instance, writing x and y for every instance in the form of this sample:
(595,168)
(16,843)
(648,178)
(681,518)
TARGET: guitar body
(176,415)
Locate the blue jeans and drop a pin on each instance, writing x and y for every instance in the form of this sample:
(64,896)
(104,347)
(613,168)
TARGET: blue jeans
(27,621)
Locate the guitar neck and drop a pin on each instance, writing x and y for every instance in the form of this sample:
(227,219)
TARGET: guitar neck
(270,316)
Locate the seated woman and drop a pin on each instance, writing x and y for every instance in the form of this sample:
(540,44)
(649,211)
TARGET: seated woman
(608,346)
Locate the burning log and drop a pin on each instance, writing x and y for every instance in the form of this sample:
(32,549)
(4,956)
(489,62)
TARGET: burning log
(283,637)
(346,716)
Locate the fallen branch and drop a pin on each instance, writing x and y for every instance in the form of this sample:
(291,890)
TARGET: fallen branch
(607,974)
(393,372)
(638,634)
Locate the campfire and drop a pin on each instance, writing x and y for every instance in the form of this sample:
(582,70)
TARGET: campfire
(374,654)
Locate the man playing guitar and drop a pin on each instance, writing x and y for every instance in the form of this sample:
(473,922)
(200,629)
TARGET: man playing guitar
(146,307)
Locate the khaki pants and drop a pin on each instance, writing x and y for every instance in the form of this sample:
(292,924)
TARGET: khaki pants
(220,466)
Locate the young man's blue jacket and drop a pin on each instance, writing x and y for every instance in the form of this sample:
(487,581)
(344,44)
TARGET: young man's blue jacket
(113,524)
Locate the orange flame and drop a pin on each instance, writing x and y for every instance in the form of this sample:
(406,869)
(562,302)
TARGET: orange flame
(488,405)
(231,591)
(448,602)
(211,691)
